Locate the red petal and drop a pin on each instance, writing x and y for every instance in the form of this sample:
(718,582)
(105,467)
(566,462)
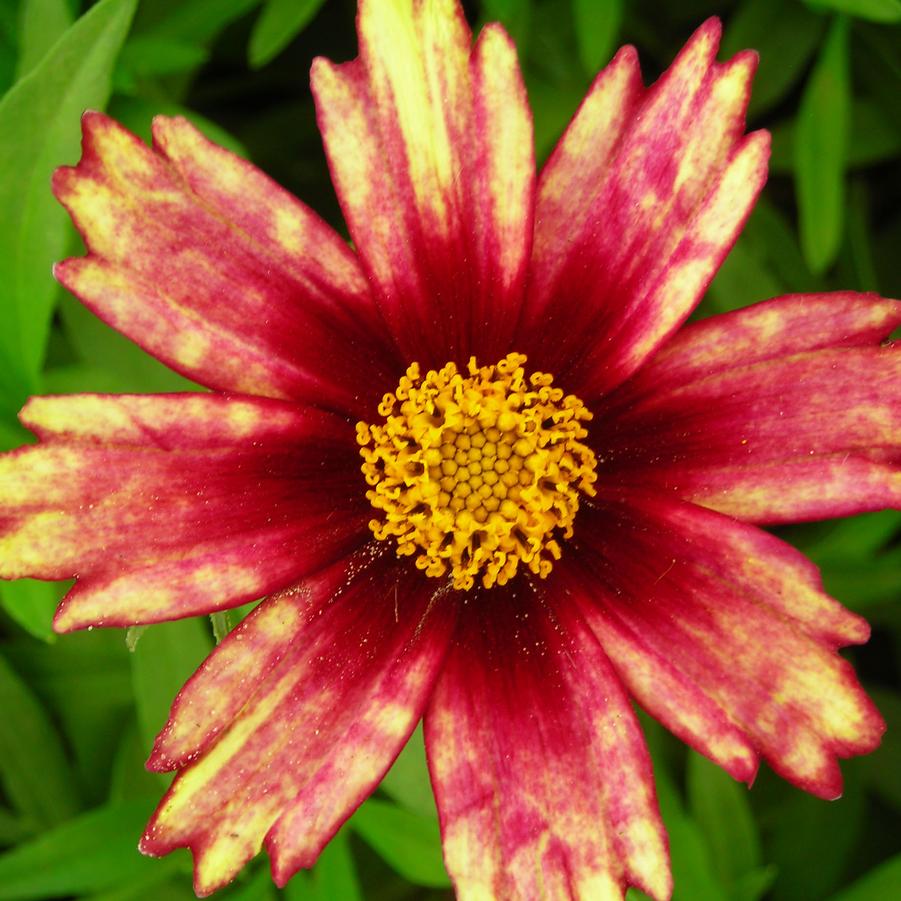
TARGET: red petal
(297,716)
(776,413)
(430,148)
(735,615)
(166,506)
(210,266)
(636,209)
(541,774)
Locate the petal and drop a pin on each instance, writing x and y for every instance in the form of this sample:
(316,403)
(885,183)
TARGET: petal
(627,242)
(777,413)
(210,266)
(430,149)
(171,505)
(541,774)
(735,615)
(314,696)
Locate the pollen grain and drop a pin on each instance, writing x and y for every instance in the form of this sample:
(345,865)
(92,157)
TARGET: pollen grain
(476,473)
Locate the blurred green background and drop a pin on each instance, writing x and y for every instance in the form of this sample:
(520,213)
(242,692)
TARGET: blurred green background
(77,714)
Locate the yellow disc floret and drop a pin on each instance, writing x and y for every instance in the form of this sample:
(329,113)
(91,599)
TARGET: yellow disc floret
(477,473)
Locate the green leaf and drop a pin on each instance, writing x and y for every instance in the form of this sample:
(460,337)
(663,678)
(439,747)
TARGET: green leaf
(130,779)
(85,682)
(597,24)
(167,655)
(874,10)
(31,604)
(278,24)
(334,875)
(785,34)
(42,111)
(879,884)
(34,771)
(95,851)
(820,152)
(196,21)
(876,139)
(811,840)
(408,842)
(101,347)
(144,56)
(720,807)
(407,782)
(41,24)
(856,538)
(693,872)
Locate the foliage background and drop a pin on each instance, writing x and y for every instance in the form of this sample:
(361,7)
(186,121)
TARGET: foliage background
(77,714)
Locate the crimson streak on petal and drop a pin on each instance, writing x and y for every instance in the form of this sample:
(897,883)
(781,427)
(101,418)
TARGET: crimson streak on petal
(171,505)
(541,774)
(735,613)
(287,743)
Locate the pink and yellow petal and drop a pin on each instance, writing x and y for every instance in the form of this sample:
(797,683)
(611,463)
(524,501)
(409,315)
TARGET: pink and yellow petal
(305,730)
(624,268)
(166,506)
(739,615)
(541,774)
(803,436)
(430,149)
(768,330)
(210,266)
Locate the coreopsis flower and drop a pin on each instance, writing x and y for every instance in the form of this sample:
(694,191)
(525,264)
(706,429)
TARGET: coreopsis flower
(477,469)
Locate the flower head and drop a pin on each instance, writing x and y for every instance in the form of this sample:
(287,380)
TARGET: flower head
(477,468)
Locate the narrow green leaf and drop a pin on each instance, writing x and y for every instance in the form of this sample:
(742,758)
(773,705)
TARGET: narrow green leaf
(597,24)
(130,779)
(159,882)
(810,841)
(85,681)
(720,807)
(784,34)
(335,875)
(9,50)
(198,21)
(278,24)
(879,884)
(874,10)
(877,138)
(408,842)
(856,538)
(104,348)
(167,655)
(41,24)
(407,782)
(34,771)
(42,111)
(95,851)
(145,56)
(31,604)
(820,151)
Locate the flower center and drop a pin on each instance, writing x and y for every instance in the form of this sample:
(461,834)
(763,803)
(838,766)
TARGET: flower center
(477,474)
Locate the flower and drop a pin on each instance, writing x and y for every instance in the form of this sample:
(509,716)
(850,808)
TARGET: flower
(560,487)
